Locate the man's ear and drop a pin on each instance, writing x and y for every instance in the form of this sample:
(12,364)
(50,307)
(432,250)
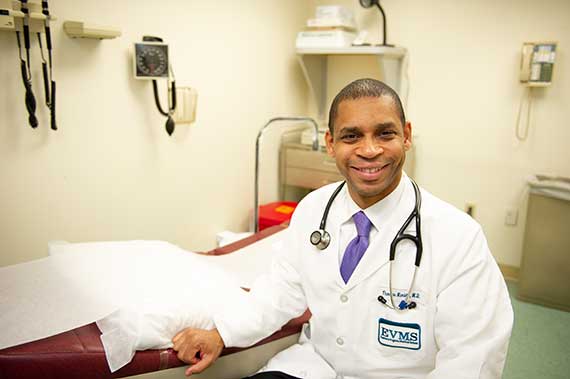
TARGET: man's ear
(330,143)
(408,136)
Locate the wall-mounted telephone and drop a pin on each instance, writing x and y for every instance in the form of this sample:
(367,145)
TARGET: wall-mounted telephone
(537,66)
(537,63)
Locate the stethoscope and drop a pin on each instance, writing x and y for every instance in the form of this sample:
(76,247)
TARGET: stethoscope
(321,239)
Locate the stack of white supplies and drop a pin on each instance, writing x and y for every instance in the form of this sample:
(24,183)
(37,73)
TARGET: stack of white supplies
(332,27)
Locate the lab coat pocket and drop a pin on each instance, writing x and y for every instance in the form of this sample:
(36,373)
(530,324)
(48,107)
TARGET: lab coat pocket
(399,333)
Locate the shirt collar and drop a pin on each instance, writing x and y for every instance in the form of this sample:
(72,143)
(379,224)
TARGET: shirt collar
(378,213)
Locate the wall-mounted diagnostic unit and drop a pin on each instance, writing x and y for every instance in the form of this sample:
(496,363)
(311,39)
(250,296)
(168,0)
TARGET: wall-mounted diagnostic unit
(30,20)
(151,62)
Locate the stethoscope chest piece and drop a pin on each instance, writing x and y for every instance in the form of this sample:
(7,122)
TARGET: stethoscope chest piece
(320,239)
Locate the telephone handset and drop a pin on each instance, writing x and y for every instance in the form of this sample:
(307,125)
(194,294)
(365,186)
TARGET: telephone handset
(537,63)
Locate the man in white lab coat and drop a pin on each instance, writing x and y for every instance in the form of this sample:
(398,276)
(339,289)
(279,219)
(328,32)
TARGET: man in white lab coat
(456,320)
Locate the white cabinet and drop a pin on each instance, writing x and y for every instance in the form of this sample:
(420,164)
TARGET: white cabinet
(315,65)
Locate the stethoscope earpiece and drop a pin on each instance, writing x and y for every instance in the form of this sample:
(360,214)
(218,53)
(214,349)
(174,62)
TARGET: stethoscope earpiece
(320,239)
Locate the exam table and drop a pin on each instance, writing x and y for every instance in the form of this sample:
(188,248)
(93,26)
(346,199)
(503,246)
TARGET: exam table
(79,353)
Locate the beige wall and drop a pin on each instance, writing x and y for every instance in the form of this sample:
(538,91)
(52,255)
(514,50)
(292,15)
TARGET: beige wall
(111,172)
(464,97)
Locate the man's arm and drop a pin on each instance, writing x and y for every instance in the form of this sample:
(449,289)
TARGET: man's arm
(474,317)
(274,299)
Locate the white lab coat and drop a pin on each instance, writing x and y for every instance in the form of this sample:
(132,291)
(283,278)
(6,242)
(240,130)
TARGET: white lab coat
(459,329)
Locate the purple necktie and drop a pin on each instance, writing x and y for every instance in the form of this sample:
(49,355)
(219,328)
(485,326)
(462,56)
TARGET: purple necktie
(356,248)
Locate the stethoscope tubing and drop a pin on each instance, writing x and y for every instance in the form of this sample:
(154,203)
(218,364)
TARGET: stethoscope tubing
(323,223)
(417,239)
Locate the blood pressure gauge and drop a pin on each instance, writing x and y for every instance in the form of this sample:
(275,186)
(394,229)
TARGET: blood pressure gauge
(151,63)
(151,60)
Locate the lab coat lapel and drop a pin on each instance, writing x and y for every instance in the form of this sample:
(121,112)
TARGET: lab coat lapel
(327,261)
(334,260)
(345,209)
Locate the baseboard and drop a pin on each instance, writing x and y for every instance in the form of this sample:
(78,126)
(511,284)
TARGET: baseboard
(510,272)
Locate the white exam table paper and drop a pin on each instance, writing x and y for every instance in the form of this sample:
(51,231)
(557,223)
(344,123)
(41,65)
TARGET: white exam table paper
(82,283)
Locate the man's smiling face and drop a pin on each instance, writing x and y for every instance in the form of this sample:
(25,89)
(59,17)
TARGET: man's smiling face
(369,145)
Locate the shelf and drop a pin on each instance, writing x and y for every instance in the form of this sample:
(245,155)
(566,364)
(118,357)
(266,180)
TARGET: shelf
(314,63)
(77,29)
(386,51)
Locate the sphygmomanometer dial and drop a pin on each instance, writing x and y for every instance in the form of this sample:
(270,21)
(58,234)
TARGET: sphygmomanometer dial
(151,60)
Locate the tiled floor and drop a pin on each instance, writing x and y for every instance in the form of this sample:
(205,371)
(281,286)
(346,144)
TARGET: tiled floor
(540,343)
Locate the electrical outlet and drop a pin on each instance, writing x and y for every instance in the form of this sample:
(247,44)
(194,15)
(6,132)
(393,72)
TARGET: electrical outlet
(511,217)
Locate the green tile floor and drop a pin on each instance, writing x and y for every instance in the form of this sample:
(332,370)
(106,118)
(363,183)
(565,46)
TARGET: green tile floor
(540,343)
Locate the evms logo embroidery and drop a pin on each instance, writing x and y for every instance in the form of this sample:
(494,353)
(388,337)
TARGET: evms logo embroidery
(400,335)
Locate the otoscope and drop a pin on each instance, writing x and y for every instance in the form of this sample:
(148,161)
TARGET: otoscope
(25,67)
(50,92)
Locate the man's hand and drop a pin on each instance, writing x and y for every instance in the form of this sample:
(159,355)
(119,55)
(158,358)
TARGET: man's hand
(198,347)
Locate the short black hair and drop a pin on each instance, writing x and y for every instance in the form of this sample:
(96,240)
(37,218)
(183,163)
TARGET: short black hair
(365,88)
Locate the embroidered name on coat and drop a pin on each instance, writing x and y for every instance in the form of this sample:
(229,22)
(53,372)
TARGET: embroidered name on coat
(399,335)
